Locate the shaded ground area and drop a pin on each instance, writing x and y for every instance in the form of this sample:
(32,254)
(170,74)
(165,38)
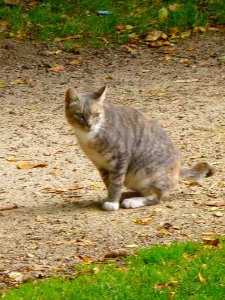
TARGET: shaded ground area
(50,217)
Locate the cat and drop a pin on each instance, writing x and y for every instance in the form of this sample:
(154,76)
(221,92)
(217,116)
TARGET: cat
(128,148)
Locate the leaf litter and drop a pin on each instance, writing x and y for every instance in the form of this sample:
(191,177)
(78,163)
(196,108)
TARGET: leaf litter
(46,218)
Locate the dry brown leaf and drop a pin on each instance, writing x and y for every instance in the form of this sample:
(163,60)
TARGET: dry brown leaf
(57,172)
(201,278)
(153,36)
(215,203)
(4,25)
(208,233)
(57,68)
(12,2)
(211,241)
(30,165)
(84,242)
(116,253)
(75,187)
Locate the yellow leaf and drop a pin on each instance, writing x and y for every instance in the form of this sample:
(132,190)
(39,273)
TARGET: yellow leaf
(171,283)
(201,278)
(96,185)
(19,81)
(30,165)
(2,84)
(186,34)
(74,62)
(56,68)
(171,295)
(143,221)
(129,27)
(163,14)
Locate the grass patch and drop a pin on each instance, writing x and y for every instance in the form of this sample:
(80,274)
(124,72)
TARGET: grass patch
(180,271)
(128,20)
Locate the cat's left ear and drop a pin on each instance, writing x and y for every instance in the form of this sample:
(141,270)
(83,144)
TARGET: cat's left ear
(101,93)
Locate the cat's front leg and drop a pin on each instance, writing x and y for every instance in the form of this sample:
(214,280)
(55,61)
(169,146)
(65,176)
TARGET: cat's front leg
(114,182)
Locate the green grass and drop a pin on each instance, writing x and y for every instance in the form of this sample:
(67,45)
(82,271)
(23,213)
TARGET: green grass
(50,19)
(181,271)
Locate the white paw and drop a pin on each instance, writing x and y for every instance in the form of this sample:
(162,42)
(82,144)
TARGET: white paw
(110,205)
(133,202)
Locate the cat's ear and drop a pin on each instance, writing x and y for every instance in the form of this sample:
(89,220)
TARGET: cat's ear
(101,93)
(70,96)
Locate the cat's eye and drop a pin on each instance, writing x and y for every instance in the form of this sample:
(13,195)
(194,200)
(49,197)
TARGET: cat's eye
(96,114)
(80,115)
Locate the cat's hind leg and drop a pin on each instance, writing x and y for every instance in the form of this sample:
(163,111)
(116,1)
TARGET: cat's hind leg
(153,197)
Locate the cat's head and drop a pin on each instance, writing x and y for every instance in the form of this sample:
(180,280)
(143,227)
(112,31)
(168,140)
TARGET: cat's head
(85,110)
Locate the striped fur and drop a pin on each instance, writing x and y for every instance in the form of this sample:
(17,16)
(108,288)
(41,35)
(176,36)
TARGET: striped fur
(128,149)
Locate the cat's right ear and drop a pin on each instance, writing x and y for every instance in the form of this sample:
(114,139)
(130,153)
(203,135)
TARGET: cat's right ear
(70,96)
(101,93)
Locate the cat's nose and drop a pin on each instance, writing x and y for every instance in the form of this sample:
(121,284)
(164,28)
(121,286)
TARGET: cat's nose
(89,122)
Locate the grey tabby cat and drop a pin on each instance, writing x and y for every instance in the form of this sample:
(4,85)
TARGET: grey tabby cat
(128,149)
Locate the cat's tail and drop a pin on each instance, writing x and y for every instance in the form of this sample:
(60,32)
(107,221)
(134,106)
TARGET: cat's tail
(198,172)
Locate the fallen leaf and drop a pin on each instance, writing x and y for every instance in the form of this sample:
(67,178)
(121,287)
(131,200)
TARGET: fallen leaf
(171,295)
(175,6)
(96,270)
(222,58)
(132,246)
(96,185)
(153,36)
(75,187)
(19,81)
(186,34)
(218,214)
(171,283)
(17,276)
(163,14)
(215,203)
(116,253)
(12,2)
(15,159)
(129,27)
(186,80)
(85,259)
(57,68)
(211,241)
(14,206)
(84,242)
(30,165)
(208,233)
(74,62)
(201,278)
(142,221)
(120,27)
(2,84)
(4,25)
(57,172)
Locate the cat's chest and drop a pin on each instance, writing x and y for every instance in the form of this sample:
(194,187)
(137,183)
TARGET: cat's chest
(86,139)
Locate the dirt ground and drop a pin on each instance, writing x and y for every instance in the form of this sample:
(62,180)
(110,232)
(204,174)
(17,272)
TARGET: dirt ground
(50,216)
